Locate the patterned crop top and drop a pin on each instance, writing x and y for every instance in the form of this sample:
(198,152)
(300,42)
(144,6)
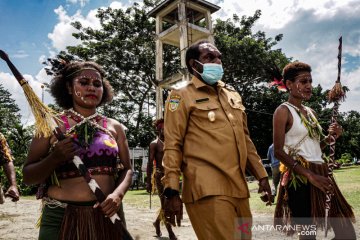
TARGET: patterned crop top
(99,157)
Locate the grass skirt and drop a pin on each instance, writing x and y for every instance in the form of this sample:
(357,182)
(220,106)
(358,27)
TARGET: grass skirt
(72,221)
(340,208)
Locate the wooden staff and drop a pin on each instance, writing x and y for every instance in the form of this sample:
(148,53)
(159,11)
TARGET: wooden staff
(336,95)
(44,116)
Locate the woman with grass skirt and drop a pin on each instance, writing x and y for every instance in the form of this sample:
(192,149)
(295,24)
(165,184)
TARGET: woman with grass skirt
(70,209)
(298,143)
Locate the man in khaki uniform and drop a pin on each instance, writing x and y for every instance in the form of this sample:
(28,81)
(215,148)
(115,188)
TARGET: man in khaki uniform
(207,139)
(6,162)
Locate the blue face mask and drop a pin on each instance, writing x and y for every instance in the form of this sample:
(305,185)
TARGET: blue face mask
(212,72)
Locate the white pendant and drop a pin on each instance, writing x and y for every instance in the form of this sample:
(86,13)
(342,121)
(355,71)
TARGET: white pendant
(211,116)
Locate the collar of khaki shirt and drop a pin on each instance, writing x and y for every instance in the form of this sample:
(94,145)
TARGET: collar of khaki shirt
(198,83)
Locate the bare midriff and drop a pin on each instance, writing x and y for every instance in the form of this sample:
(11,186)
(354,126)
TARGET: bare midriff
(78,190)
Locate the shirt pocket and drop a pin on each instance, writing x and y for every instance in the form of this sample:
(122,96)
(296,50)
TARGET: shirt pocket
(209,116)
(237,107)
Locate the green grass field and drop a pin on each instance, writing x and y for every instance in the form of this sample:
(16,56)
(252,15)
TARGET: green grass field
(348,179)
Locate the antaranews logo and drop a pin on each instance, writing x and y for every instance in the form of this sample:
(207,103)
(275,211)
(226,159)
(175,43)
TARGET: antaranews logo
(246,228)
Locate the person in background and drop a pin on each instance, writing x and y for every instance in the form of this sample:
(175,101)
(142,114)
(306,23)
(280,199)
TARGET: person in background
(275,164)
(155,172)
(6,161)
(135,180)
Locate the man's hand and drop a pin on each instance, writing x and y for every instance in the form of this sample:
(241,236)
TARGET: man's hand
(173,207)
(13,193)
(264,187)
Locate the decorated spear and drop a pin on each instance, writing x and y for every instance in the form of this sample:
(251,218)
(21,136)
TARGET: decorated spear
(45,126)
(44,116)
(335,95)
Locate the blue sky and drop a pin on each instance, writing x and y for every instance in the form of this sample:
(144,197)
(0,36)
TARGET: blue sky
(32,30)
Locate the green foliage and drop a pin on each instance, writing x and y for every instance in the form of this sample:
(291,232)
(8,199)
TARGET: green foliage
(251,73)
(349,142)
(23,189)
(8,111)
(19,141)
(125,47)
(345,158)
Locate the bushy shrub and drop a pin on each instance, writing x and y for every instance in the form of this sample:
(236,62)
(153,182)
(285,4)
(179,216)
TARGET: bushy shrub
(23,189)
(346,158)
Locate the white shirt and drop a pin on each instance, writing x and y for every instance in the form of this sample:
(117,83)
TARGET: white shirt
(309,148)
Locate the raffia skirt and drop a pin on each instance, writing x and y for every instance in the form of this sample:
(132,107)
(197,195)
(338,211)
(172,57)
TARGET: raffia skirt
(308,202)
(75,220)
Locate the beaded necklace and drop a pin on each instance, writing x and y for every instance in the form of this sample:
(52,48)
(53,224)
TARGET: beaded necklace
(310,122)
(86,127)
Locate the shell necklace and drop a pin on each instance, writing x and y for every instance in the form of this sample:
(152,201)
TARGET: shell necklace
(310,122)
(85,129)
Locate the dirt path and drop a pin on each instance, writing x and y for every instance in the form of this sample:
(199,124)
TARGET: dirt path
(17,221)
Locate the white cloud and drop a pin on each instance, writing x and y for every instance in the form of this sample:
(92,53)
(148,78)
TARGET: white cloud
(61,36)
(42,59)
(9,82)
(20,54)
(118,5)
(275,14)
(311,30)
(81,2)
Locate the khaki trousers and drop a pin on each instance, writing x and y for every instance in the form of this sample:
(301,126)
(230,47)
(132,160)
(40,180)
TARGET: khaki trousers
(220,217)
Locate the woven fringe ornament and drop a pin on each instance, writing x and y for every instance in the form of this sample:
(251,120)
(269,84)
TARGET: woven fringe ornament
(44,116)
(153,180)
(337,93)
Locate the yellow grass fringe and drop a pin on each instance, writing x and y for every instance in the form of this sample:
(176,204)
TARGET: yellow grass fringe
(161,215)
(44,116)
(153,180)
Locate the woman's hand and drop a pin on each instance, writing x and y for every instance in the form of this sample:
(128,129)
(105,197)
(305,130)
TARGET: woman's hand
(323,183)
(110,205)
(65,150)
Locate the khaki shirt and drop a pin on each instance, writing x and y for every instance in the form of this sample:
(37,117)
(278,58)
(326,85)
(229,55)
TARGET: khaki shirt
(5,153)
(206,138)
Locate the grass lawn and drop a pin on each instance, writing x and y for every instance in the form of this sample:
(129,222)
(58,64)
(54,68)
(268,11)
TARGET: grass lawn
(348,179)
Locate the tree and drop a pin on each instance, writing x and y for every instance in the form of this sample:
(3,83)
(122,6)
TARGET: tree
(8,111)
(250,63)
(125,47)
(19,140)
(349,142)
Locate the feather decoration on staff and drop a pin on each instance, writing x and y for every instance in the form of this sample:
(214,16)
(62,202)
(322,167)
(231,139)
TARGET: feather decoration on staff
(335,95)
(44,116)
